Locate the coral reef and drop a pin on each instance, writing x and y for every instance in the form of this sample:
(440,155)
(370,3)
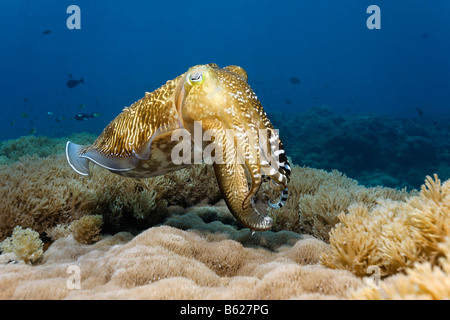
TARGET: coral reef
(423,281)
(317,197)
(168,263)
(393,235)
(41,199)
(373,149)
(174,238)
(12,150)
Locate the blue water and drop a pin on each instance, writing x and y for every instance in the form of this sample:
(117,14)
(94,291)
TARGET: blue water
(125,48)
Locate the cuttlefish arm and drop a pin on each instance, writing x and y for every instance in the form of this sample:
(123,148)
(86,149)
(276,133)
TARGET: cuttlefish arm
(232,180)
(233,185)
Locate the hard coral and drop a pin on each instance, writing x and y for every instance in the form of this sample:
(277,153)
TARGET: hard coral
(168,263)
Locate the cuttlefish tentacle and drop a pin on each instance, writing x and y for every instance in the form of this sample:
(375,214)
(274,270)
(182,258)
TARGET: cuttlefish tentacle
(248,144)
(232,179)
(233,184)
(276,167)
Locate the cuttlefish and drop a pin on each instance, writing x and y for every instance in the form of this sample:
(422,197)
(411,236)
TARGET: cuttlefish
(140,141)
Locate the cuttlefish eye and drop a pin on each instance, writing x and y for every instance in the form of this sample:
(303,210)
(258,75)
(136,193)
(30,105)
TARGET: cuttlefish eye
(196,78)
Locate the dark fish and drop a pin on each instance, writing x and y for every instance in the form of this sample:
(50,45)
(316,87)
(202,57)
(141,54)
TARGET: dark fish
(24,115)
(425,35)
(85,116)
(26,100)
(72,83)
(288,101)
(294,80)
(32,131)
(419,111)
(46,32)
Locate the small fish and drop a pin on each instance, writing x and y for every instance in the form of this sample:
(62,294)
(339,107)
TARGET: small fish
(419,111)
(46,32)
(294,80)
(81,106)
(50,113)
(12,123)
(32,131)
(26,100)
(72,83)
(85,116)
(288,101)
(24,115)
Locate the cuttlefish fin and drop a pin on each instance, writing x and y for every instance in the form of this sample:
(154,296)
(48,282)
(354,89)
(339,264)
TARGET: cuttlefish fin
(79,159)
(233,184)
(78,164)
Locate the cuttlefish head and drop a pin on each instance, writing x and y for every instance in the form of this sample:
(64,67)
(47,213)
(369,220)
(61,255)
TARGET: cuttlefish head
(207,91)
(246,146)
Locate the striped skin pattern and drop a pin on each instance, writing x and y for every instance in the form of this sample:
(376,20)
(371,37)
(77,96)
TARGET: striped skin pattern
(138,142)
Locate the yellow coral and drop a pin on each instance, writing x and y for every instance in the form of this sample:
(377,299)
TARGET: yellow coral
(317,197)
(424,281)
(394,234)
(25,244)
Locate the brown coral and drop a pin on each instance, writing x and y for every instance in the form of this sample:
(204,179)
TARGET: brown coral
(167,263)
(317,197)
(41,199)
(87,229)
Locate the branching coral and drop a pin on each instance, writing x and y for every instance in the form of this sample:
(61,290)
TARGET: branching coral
(41,199)
(423,281)
(317,197)
(394,234)
(24,244)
